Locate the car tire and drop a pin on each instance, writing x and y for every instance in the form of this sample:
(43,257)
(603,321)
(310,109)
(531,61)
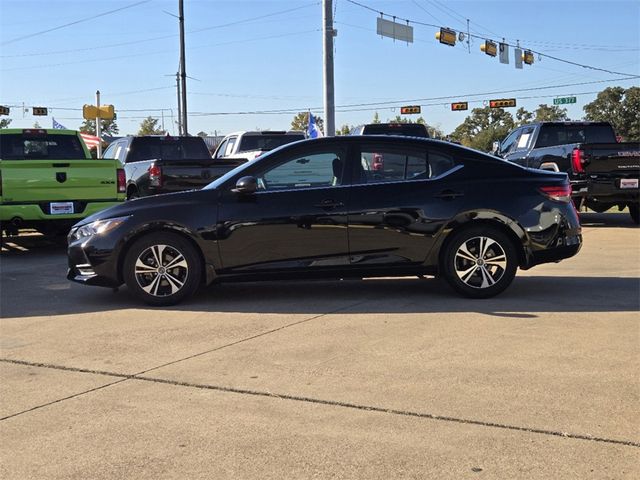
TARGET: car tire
(162,268)
(479,261)
(634,211)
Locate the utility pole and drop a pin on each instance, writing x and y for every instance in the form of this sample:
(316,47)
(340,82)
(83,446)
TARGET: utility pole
(183,69)
(327,57)
(98,125)
(179,102)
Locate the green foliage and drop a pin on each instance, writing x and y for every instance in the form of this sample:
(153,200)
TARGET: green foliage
(37,125)
(344,130)
(523,116)
(4,123)
(551,113)
(149,126)
(376,118)
(301,122)
(108,127)
(621,108)
(202,134)
(484,126)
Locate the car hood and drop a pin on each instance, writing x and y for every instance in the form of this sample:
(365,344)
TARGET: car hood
(154,202)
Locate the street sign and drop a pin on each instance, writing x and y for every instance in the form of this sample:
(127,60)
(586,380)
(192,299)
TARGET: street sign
(504,53)
(502,103)
(90,112)
(41,111)
(4,110)
(397,31)
(459,106)
(410,109)
(564,100)
(517,55)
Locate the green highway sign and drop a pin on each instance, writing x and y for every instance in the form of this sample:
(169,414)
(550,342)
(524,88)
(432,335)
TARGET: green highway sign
(564,100)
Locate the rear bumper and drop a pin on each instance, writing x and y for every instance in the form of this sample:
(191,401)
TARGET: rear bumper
(605,190)
(35,213)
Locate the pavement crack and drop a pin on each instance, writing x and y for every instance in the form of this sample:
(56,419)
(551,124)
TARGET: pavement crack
(311,400)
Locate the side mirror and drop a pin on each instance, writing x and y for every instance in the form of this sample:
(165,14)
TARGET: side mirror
(496,148)
(246,185)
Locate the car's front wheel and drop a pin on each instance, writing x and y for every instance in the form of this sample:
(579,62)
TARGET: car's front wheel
(480,262)
(162,269)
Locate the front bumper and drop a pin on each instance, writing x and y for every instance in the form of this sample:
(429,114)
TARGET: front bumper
(93,261)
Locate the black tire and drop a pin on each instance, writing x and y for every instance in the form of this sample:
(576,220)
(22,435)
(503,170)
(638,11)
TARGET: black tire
(151,283)
(489,277)
(634,211)
(133,194)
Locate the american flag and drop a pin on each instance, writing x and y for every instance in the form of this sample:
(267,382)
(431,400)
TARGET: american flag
(58,126)
(90,140)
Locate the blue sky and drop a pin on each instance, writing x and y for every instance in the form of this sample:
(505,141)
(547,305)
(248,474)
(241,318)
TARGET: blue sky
(250,56)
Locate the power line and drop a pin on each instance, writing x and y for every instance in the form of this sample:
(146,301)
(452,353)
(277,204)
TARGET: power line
(541,54)
(86,19)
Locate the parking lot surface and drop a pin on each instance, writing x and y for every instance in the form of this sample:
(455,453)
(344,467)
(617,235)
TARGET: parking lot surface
(385,378)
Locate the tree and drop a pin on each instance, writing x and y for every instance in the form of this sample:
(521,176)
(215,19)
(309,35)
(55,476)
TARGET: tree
(483,127)
(4,123)
(344,130)
(621,108)
(301,122)
(37,125)
(523,116)
(149,126)
(551,113)
(202,134)
(376,118)
(108,127)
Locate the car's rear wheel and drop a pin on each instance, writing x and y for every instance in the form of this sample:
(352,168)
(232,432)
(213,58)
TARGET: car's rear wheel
(162,269)
(480,262)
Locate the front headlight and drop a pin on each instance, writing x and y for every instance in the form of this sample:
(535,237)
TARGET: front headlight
(96,228)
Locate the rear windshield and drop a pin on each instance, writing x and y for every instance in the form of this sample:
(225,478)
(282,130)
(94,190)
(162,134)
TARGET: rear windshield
(17,146)
(562,134)
(266,142)
(406,129)
(168,148)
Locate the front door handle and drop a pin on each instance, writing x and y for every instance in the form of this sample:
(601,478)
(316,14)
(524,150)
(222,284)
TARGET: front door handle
(329,204)
(449,195)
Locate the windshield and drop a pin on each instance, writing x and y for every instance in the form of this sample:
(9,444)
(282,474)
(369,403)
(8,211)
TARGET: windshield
(20,146)
(168,148)
(266,142)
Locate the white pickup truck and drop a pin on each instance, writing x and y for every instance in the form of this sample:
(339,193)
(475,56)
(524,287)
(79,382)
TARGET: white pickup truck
(251,145)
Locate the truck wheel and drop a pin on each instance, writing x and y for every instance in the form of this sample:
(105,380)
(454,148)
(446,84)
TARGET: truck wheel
(634,211)
(132,194)
(480,262)
(162,269)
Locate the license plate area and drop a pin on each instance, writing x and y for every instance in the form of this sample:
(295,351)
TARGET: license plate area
(628,183)
(61,208)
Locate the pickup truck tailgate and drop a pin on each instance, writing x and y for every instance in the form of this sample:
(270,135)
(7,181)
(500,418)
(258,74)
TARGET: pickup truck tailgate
(618,159)
(52,180)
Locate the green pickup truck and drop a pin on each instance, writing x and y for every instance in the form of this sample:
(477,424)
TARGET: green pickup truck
(48,181)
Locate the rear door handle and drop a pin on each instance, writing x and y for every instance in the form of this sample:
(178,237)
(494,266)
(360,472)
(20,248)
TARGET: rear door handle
(329,204)
(449,195)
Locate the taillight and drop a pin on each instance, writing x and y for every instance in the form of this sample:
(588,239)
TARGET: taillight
(560,193)
(577,160)
(155,175)
(122,181)
(378,163)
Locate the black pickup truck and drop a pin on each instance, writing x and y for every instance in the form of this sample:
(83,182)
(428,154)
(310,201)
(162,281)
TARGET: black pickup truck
(162,164)
(603,172)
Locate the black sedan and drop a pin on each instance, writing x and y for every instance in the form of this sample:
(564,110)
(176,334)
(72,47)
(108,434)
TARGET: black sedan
(354,206)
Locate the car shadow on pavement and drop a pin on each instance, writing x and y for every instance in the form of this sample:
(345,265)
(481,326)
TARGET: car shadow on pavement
(606,219)
(527,295)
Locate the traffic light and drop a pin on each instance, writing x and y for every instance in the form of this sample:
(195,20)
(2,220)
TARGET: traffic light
(446,36)
(41,111)
(410,109)
(459,106)
(527,57)
(502,103)
(489,48)
(4,110)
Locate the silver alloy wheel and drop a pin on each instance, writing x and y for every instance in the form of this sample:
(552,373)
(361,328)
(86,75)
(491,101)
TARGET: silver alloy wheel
(480,262)
(161,270)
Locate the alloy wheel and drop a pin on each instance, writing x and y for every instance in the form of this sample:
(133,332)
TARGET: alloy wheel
(480,262)
(161,270)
